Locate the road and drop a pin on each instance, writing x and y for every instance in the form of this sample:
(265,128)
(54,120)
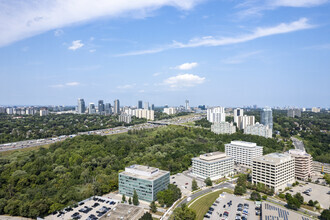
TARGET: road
(108,131)
(298,144)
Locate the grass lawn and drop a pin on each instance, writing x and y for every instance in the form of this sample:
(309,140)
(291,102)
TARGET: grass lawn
(203,203)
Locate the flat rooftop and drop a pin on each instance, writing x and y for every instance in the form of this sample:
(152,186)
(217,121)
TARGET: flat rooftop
(212,157)
(124,211)
(298,152)
(274,158)
(244,144)
(144,172)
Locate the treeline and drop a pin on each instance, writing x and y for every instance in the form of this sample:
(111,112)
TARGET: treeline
(18,128)
(38,182)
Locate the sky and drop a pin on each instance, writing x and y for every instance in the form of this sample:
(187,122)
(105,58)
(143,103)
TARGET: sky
(211,52)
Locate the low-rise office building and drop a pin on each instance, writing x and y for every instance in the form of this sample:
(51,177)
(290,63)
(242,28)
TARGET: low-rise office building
(259,129)
(243,152)
(213,165)
(275,170)
(147,181)
(303,164)
(223,128)
(321,167)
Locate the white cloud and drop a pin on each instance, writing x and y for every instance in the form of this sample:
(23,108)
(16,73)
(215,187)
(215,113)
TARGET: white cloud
(183,80)
(156,74)
(76,44)
(319,47)
(187,66)
(23,19)
(210,41)
(92,50)
(69,84)
(58,32)
(240,58)
(297,3)
(127,86)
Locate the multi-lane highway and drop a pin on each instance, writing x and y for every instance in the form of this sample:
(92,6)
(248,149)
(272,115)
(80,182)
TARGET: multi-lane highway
(108,131)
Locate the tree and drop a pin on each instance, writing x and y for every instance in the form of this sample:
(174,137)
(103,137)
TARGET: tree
(239,190)
(299,197)
(255,196)
(325,215)
(169,196)
(183,213)
(135,198)
(311,203)
(123,198)
(281,195)
(208,181)
(153,207)
(146,216)
(130,200)
(194,185)
(293,203)
(264,197)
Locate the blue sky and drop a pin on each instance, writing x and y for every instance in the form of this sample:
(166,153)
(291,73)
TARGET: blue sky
(216,52)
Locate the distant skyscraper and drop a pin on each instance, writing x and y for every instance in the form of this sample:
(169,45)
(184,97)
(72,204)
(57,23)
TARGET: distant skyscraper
(107,108)
(216,114)
(187,105)
(116,106)
(81,106)
(266,117)
(146,105)
(237,112)
(139,104)
(91,108)
(152,107)
(101,106)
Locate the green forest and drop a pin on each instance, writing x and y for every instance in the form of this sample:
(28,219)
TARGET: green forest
(14,128)
(37,182)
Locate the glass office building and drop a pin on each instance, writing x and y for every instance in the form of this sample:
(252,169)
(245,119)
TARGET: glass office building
(147,181)
(266,117)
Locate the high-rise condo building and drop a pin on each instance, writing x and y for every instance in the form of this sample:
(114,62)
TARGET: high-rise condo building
(243,152)
(303,164)
(316,109)
(107,108)
(216,114)
(223,128)
(146,181)
(187,105)
(91,108)
(259,129)
(266,117)
(101,106)
(81,106)
(238,112)
(125,118)
(245,120)
(152,107)
(275,170)
(294,112)
(139,104)
(146,105)
(170,111)
(44,112)
(213,165)
(116,107)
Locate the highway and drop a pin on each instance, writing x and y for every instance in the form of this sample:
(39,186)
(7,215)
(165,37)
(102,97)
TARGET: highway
(108,131)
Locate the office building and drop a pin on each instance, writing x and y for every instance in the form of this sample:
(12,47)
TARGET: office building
(316,110)
(303,164)
(238,112)
(214,165)
(139,104)
(321,167)
(107,108)
(187,105)
(266,117)
(147,181)
(146,105)
(91,108)
(275,171)
(81,106)
(116,107)
(44,112)
(244,121)
(170,111)
(216,115)
(259,129)
(223,128)
(243,152)
(152,107)
(294,112)
(125,118)
(100,106)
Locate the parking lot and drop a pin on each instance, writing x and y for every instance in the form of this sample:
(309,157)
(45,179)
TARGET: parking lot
(247,210)
(184,182)
(92,209)
(319,193)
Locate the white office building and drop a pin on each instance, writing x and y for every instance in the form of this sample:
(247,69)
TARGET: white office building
(223,128)
(170,111)
(275,170)
(244,121)
(243,152)
(216,114)
(303,164)
(259,129)
(214,165)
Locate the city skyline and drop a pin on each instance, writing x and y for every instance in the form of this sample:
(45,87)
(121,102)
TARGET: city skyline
(269,53)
